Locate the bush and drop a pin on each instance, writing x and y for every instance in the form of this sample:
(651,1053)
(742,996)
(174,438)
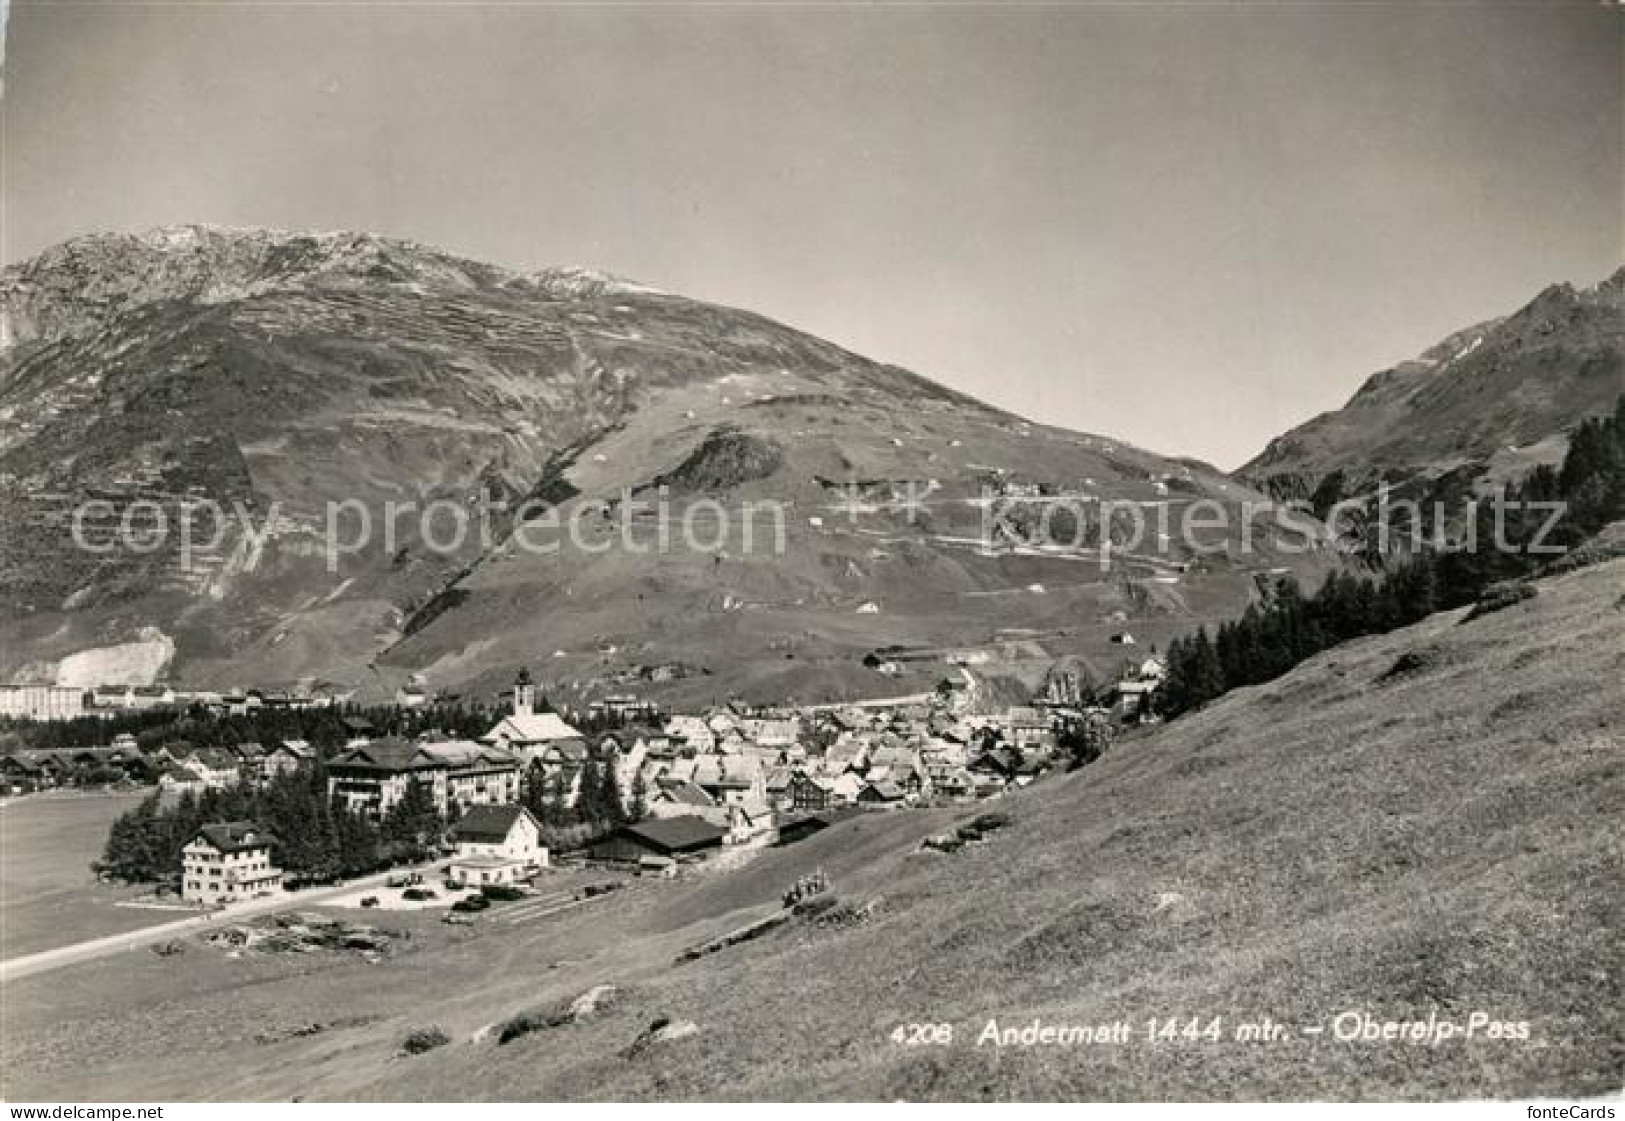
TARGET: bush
(418,894)
(814,906)
(472,903)
(988,822)
(1498,597)
(537,1019)
(424,1039)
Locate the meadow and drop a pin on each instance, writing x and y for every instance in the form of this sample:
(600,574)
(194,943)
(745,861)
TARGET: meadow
(49,897)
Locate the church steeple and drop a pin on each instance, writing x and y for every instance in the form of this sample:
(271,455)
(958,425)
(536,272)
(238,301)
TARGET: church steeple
(524,693)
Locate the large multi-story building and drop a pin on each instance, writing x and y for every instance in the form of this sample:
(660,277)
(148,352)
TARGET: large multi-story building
(373,777)
(227,862)
(42,702)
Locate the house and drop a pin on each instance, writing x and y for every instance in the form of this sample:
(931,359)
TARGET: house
(250,755)
(358,727)
(682,798)
(228,861)
(678,838)
(496,845)
(953,782)
(846,754)
(882,793)
(730,780)
(20,772)
(652,742)
(126,757)
(623,706)
(1132,700)
(693,733)
(774,733)
(286,756)
(910,775)
(175,777)
(214,767)
(844,788)
(800,828)
(777,788)
(112,696)
(998,765)
(749,819)
(526,731)
(731,742)
(1029,728)
(151,696)
(236,704)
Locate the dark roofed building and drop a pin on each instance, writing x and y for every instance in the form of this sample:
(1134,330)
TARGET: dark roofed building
(882,793)
(800,828)
(674,837)
(486,824)
(496,844)
(237,836)
(372,777)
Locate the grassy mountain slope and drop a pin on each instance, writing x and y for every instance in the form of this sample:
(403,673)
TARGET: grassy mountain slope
(287,372)
(1440,839)
(1494,399)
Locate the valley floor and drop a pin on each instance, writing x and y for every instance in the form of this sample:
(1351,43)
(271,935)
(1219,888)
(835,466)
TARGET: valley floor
(49,896)
(1416,841)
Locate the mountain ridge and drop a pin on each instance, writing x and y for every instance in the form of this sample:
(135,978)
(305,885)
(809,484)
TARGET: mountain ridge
(291,372)
(1477,402)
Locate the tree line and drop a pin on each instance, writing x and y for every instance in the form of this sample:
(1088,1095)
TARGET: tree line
(323,727)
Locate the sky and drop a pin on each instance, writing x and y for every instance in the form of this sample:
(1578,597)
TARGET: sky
(1190,226)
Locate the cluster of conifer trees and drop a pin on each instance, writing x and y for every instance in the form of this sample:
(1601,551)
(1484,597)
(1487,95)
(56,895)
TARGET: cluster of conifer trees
(318,839)
(600,805)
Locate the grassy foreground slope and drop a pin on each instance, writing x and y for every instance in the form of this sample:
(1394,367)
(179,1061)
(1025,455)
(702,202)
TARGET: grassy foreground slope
(1444,839)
